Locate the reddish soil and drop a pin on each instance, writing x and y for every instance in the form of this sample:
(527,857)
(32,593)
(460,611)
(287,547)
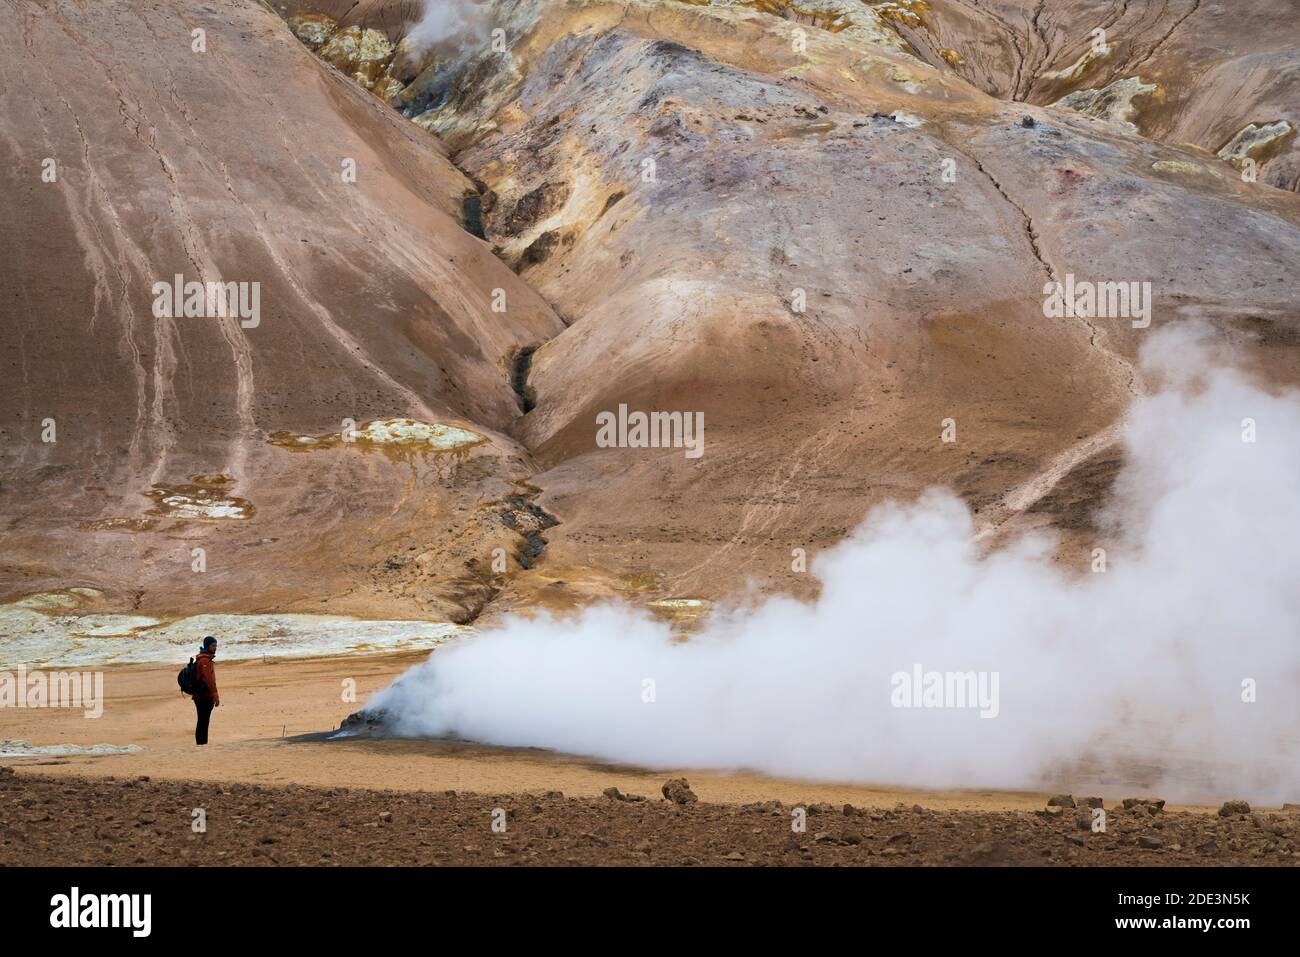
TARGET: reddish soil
(49,821)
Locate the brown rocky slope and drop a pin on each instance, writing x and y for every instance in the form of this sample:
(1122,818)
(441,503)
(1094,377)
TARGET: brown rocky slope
(805,227)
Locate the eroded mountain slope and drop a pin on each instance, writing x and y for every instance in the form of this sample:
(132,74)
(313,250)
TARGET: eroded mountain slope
(780,172)
(780,217)
(1223,77)
(133,150)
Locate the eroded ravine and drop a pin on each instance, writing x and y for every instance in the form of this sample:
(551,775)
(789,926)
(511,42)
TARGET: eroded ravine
(374,61)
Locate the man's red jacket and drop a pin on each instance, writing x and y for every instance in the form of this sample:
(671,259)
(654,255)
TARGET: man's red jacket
(207,675)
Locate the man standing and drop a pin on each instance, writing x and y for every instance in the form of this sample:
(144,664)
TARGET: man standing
(205,693)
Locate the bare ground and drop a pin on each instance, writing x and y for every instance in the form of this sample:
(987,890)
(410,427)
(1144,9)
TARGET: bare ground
(64,821)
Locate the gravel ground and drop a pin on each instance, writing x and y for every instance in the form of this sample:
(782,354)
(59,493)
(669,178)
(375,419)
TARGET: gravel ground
(51,821)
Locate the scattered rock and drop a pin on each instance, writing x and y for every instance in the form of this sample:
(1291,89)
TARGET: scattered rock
(1149,805)
(1232,808)
(986,853)
(363,722)
(1266,825)
(1028,122)
(534,206)
(1060,800)
(678,790)
(616,794)
(1150,843)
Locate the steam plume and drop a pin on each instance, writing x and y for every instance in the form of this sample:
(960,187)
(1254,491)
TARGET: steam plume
(1144,663)
(444,20)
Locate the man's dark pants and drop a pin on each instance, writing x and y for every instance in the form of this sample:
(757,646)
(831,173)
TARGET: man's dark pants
(204,707)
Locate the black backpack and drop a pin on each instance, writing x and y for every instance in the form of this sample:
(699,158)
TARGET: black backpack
(188,678)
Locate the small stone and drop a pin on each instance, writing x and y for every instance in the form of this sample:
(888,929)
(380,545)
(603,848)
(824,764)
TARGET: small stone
(1266,825)
(614,793)
(1028,122)
(1149,805)
(1231,808)
(734,856)
(678,790)
(1060,800)
(1150,843)
(987,853)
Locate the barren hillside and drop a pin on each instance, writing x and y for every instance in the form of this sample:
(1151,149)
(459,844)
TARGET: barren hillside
(827,227)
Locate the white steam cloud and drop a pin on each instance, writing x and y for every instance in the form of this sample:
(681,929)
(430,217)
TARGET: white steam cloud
(1139,667)
(444,20)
